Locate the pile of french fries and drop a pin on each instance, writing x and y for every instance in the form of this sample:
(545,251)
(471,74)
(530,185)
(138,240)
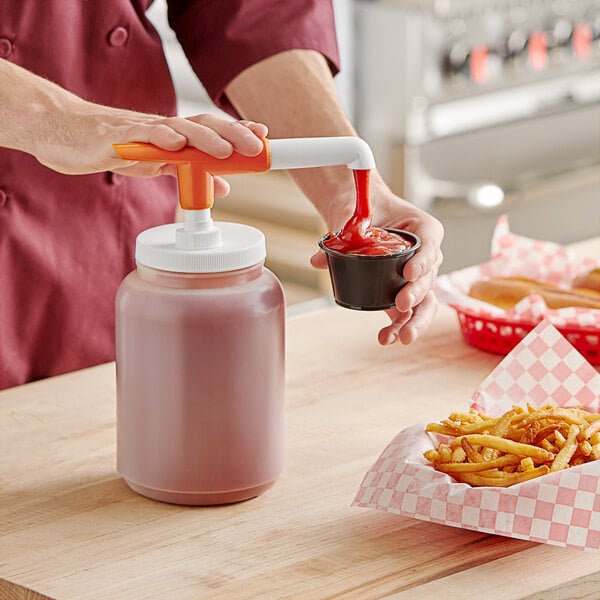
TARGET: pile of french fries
(522,444)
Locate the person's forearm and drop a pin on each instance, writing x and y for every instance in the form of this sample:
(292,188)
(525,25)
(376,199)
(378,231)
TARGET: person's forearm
(294,95)
(47,121)
(28,108)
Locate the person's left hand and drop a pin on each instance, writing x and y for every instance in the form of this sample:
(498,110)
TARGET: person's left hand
(416,303)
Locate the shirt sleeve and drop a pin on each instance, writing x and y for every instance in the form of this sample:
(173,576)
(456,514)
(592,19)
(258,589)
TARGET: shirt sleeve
(222,38)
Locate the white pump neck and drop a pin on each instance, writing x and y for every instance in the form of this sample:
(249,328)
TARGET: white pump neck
(197,231)
(300,153)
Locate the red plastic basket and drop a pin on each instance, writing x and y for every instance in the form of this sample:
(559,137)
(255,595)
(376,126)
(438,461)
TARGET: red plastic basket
(500,336)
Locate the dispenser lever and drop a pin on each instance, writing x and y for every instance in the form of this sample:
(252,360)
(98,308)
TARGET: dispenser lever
(195,168)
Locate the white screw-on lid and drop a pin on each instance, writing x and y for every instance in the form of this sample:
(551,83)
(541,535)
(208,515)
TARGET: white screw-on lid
(200,246)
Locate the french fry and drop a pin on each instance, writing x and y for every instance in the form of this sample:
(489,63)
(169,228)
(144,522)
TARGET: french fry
(459,455)
(547,445)
(585,448)
(508,446)
(448,427)
(505,480)
(431,455)
(470,417)
(544,433)
(503,424)
(518,446)
(569,415)
(470,452)
(526,464)
(469,467)
(592,428)
(561,461)
(559,439)
(441,429)
(444,453)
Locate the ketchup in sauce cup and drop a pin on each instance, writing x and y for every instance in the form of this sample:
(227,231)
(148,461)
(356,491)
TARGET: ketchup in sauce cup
(366,263)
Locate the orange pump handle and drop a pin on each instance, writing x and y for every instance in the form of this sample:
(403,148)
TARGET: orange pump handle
(196,169)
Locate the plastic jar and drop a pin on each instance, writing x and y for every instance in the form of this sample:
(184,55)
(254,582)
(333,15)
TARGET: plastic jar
(200,375)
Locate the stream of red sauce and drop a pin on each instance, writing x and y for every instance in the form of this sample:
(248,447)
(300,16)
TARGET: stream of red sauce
(357,236)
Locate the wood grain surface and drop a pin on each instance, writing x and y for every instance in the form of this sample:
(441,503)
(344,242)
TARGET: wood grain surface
(72,530)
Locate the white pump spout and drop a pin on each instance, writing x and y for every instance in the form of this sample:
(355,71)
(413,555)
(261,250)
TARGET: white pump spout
(197,232)
(301,153)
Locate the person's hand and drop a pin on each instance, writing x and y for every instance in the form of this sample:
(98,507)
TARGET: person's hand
(416,303)
(71,135)
(298,82)
(86,144)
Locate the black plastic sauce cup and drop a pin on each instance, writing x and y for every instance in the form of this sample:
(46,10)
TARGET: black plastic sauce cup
(364,282)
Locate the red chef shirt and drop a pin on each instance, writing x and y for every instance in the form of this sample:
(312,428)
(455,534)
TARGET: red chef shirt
(67,241)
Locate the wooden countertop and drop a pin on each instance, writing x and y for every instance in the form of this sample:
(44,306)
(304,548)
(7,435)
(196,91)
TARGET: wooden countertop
(72,530)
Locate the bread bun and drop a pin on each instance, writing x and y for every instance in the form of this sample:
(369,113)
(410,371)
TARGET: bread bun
(505,292)
(588,281)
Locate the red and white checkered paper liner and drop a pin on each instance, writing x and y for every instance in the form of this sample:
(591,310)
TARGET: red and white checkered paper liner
(518,256)
(561,508)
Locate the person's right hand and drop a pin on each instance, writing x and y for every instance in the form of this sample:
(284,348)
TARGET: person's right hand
(73,136)
(94,152)
(87,139)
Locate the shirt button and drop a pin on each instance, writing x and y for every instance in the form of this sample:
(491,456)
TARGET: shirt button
(118,36)
(6,47)
(3,198)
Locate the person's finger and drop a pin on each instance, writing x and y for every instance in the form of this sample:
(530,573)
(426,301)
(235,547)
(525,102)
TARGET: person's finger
(407,326)
(145,169)
(413,293)
(421,318)
(390,334)
(415,290)
(159,134)
(200,133)
(222,187)
(259,129)
(242,139)
(149,169)
(319,260)
(426,258)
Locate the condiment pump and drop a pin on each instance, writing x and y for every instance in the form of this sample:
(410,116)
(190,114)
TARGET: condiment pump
(200,337)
